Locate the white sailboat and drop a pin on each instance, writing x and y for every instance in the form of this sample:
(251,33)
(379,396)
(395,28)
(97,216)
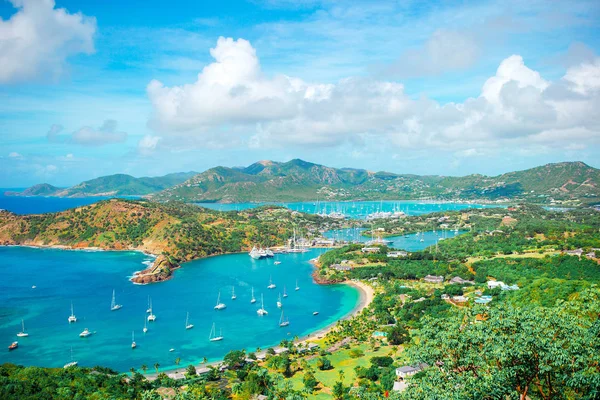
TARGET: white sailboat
(271,284)
(113,305)
(133,345)
(279,301)
(86,332)
(220,306)
(261,310)
(284,292)
(71,363)
(233,296)
(283,322)
(22,333)
(297,287)
(145,327)
(187,322)
(151,317)
(213,334)
(253,300)
(72,317)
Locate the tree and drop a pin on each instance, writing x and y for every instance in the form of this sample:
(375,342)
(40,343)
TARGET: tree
(338,390)
(190,371)
(235,359)
(514,352)
(177,361)
(156,365)
(144,368)
(310,382)
(323,363)
(398,335)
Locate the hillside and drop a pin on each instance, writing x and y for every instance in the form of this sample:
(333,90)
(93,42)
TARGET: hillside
(111,185)
(568,183)
(175,232)
(298,180)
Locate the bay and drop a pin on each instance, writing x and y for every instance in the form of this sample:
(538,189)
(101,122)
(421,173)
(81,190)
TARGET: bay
(88,278)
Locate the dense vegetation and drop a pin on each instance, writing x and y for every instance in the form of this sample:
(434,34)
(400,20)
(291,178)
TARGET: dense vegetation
(539,342)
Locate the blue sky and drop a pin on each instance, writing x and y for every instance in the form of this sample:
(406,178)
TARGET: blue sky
(90,88)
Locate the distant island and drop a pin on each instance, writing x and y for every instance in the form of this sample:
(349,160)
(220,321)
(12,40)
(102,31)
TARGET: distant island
(566,183)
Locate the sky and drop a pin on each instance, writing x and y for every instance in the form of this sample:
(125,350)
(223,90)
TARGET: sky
(92,87)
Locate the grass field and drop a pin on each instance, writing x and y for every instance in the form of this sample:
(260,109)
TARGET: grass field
(341,361)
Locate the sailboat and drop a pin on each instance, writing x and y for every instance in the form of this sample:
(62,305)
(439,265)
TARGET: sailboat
(233,296)
(220,306)
(22,333)
(297,287)
(187,322)
(113,305)
(271,284)
(145,327)
(13,346)
(253,299)
(71,363)
(86,332)
(72,317)
(151,317)
(133,345)
(261,310)
(279,301)
(213,334)
(284,293)
(149,309)
(283,321)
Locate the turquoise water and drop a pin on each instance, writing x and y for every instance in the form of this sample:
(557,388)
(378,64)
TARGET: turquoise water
(411,242)
(40,205)
(88,278)
(357,209)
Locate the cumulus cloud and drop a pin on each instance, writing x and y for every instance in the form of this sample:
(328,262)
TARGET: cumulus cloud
(38,38)
(233,100)
(105,134)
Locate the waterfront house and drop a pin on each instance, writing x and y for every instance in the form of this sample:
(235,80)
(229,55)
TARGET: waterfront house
(370,249)
(339,267)
(495,284)
(397,254)
(408,370)
(459,299)
(460,281)
(433,279)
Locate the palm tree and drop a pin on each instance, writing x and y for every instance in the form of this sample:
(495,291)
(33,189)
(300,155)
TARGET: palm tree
(144,368)
(204,360)
(132,370)
(177,361)
(341,375)
(156,365)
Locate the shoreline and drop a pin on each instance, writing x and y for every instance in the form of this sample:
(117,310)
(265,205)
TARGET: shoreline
(366,296)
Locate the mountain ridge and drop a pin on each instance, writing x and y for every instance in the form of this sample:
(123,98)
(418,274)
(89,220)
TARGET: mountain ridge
(570,183)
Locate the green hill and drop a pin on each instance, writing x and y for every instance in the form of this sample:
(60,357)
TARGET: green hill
(298,180)
(111,185)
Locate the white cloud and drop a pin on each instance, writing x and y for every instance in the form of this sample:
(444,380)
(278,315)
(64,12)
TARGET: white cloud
(106,134)
(38,38)
(147,145)
(14,154)
(233,100)
(584,78)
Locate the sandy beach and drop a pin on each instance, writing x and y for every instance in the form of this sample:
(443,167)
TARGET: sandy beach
(367,294)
